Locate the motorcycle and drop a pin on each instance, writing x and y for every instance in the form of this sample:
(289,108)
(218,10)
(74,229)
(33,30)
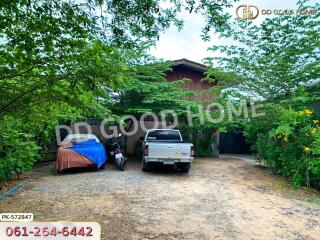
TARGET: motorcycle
(114,149)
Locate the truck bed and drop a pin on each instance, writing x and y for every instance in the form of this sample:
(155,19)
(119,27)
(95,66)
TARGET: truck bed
(168,150)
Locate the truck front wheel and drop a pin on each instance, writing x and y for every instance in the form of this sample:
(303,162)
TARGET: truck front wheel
(184,167)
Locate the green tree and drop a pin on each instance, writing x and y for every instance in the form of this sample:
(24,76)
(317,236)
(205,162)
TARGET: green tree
(147,90)
(277,62)
(57,58)
(271,59)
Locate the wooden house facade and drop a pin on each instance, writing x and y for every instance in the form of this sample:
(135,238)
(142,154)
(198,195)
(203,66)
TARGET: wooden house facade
(186,69)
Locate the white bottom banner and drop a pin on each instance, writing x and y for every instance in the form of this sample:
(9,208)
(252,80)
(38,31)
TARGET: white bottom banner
(50,230)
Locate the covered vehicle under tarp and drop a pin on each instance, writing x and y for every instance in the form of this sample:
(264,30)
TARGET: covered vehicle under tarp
(80,152)
(92,150)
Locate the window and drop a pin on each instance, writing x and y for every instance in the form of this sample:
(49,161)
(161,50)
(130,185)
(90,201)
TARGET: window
(166,135)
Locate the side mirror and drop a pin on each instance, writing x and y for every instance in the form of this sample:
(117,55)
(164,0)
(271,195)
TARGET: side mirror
(141,138)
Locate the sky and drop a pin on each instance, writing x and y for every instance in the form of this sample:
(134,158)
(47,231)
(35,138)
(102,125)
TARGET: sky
(187,43)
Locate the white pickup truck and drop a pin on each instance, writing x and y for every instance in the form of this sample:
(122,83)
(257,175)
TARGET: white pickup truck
(165,146)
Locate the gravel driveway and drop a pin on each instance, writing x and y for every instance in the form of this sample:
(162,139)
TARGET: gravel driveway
(218,199)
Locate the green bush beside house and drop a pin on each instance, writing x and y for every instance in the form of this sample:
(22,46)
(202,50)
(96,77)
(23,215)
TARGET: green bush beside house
(288,140)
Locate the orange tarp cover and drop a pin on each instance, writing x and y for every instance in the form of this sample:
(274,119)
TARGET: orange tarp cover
(67,158)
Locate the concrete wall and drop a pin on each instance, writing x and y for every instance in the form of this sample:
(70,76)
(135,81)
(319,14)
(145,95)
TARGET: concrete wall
(129,142)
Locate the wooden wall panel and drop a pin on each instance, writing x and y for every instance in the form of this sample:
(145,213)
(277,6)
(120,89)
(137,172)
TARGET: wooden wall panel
(196,85)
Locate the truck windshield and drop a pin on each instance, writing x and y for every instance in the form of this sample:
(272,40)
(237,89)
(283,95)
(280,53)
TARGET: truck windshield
(165,135)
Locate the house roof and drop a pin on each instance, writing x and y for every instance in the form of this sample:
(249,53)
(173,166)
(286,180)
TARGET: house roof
(190,64)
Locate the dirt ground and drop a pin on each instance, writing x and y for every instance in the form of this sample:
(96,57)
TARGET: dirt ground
(218,199)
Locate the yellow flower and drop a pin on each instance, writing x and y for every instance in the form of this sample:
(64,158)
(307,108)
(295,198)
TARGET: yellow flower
(314,130)
(301,113)
(315,121)
(307,149)
(308,112)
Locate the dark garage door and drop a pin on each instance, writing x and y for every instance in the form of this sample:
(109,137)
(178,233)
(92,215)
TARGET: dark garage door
(233,143)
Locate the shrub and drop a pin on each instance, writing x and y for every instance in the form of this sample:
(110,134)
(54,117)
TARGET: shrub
(201,137)
(18,152)
(290,144)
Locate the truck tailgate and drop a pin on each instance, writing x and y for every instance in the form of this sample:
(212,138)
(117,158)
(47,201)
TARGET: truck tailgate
(169,150)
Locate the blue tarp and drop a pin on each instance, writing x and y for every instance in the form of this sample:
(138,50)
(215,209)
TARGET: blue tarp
(92,150)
